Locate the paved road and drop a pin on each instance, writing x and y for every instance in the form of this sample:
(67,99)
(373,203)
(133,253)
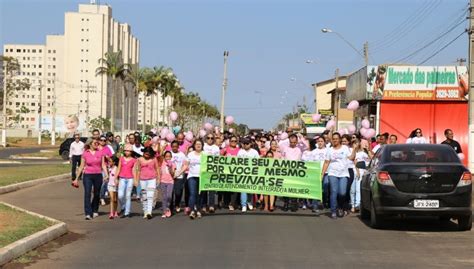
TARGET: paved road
(233,240)
(7,152)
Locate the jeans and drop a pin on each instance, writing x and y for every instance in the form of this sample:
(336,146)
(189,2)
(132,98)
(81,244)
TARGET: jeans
(325,189)
(166,195)
(245,199)
(75,162)
(91,182)
(125,194)
(355,192)
(178,188)
(147,194)
(208,198)
(194,198)
(347,204)
(338,187)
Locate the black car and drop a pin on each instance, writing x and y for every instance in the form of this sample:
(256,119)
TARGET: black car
(66,145)
(416,179)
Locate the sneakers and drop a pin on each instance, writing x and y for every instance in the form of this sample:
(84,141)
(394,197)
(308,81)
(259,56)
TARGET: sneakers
(303,207)
(192,215)
(353,210)
(116,215)
(244,209)
(333,215)
(250,206)
(102,202)
(178,209)
(163,216)
(88,217)
(168,213)
(340,213)
(111,216)
(231,208)
(211,209)
(144,215)
(149,216)
(187,210)
(199,215)
(95,215)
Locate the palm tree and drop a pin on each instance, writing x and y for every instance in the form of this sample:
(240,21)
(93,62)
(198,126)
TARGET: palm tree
(135,77)
(147,87)
(112,66)
(167,84)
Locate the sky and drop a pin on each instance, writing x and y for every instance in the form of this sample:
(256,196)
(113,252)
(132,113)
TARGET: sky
(276,47)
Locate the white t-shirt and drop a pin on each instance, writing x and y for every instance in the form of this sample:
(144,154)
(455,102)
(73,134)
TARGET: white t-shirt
(338,161)
(251,153)
(350,163)
(194,161)
(178,160)
(307,156)
(417,140)
(319,155)
(211,149)
(361,156)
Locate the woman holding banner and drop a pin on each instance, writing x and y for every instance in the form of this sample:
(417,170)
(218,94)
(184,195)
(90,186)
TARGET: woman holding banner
(193,162)
(231,150)
(337,168)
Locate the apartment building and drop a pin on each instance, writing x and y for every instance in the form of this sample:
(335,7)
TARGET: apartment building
(63,73)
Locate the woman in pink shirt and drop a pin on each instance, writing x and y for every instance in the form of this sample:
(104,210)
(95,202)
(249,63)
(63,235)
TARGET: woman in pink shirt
(167,170)
(93,165)
(148,173)
(126,174)
(231,150)
(275,149)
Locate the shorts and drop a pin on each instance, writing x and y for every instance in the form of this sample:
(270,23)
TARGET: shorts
(112,188)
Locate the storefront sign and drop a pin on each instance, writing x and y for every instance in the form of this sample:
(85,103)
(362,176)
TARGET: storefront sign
(267,176)
(442,83)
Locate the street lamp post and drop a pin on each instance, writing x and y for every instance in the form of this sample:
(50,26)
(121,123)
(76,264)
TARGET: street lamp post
(224,88)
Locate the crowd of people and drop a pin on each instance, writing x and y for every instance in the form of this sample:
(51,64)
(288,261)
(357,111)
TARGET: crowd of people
(142,166)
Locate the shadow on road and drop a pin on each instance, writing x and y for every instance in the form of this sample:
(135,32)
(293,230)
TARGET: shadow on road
(417,224)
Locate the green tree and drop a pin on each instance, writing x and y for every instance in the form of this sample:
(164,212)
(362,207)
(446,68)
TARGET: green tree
(99,123)
(112,66)
(135,77)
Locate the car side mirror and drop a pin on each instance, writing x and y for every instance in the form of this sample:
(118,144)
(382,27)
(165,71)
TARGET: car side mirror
(361,165)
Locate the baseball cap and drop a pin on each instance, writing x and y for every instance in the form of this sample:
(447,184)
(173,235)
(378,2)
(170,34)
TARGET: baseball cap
(128,147)
(245,140)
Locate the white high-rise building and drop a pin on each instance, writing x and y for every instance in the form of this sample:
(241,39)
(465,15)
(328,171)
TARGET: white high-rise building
(64,72)
(157,111)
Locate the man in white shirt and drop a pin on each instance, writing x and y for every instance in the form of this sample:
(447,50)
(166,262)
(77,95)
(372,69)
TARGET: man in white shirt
(293,153)
(382,141)
(209,197)
(246,152)
(75,152)
(178,158)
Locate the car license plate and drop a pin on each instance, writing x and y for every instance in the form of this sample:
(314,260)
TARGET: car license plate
(426,204)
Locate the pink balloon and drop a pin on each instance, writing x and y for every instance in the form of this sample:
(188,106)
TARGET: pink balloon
(369,133)
(283,136)
(461,156)
(353,105)
(229,120)
(189,136)
(341,131)
(170,137)
(363,131)
(164,132)
(207,126)
(346,131)
(231,130)
(202,133)
(330,124)
(316,117)
(155,140)
(351,128)
(173,116)
(365,123)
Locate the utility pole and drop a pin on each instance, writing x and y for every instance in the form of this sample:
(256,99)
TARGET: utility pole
(336,92)
(366,53)
(40,111)
(53,122)
(471,88)
(4,130)
(224,88)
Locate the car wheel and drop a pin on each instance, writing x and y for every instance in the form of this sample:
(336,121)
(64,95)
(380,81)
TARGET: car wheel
(465,223)
(364,213)
(65,155)
(375,219)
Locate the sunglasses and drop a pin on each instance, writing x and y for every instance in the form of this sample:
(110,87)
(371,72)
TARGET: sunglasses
(210,138)
(95,143)
(233,140)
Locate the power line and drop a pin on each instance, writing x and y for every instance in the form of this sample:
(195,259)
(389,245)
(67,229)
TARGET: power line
(429,43)
(445,46)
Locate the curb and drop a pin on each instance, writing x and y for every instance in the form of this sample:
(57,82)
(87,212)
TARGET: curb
(20,247)
(31,183)
(15,157)
(8,162)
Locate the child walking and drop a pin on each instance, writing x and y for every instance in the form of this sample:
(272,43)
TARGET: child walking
(148,174)
(112,186)
(126,174)
(168,169)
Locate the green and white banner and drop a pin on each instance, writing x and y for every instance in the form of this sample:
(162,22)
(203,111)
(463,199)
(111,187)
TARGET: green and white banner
(268,176)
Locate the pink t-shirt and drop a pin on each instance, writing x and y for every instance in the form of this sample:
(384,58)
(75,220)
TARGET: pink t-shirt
(112,176)
(293,154)
(166,176)
(126,168)
(228,151)
(147,169)
(106,151)
(92,162)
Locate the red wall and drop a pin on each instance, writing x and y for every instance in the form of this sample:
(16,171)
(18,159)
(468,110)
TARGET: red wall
(432,117)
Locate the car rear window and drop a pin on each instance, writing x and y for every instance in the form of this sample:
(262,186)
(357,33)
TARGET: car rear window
(407,155)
